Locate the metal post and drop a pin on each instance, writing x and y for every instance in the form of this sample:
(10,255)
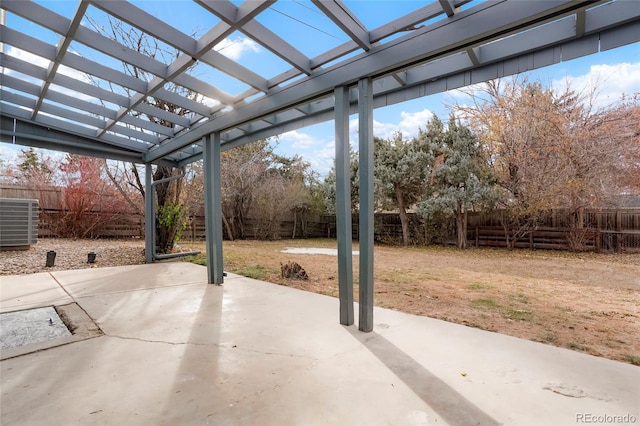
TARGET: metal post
(149,215)
(365,127)
(213,207)
(343,206)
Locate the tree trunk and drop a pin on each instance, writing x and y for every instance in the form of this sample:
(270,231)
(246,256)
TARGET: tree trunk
(167,197)
(227,227)
(294,224)
(404,219)
(580,218)
(461,227)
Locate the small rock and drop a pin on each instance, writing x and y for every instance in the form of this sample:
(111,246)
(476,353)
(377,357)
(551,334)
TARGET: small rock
(293,270)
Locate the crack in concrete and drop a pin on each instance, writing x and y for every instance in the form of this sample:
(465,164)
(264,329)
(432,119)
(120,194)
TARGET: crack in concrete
(139,339)
(217,345)
(275,353)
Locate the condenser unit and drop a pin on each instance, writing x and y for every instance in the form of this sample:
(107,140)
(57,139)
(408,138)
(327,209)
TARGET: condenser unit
(18,223)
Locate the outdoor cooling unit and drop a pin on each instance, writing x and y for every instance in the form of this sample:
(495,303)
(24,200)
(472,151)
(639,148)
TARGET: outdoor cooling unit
(18,223)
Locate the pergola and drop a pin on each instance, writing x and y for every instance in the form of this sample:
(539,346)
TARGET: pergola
(435,47)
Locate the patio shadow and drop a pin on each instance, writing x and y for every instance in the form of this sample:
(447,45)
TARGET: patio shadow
(454,408)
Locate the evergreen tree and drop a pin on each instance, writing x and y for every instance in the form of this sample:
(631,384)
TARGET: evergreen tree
(400,170)
(460,179)
(328,187)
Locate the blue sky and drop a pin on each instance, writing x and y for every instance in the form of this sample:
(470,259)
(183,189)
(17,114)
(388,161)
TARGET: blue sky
(617,71)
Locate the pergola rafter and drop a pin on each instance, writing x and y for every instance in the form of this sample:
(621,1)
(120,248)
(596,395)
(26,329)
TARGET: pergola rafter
(422,52)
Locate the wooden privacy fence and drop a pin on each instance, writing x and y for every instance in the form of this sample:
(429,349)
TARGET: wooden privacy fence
(132,226)
(587,239)
(121,226)
(314,228)
(620,229)
(604,230)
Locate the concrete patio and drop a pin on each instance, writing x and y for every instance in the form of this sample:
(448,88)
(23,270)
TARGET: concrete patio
(172,350)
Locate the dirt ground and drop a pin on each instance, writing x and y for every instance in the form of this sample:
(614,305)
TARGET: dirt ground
(586,302)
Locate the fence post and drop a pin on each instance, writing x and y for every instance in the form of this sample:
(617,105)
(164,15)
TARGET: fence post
(530,240)
(618,235)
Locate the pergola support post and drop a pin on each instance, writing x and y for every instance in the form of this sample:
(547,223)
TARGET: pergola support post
(149,214)
(366,218)
(213,207)
(343,206)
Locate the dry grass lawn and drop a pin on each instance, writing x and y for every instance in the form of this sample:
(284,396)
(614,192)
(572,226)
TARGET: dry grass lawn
(585,302)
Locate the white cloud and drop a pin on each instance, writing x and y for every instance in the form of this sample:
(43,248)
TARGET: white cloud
(209,102)
(299,140)
(381,130)
(9,153)
(413,121)
(28,57)
(319,152)
(234,49)
(322,159)
(462,94)
(608,82)
(409,124)
(41,62)
(44,63)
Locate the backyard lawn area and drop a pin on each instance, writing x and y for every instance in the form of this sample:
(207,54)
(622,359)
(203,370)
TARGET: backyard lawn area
(581,301)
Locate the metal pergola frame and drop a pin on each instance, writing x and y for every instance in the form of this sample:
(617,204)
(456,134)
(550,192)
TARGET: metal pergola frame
(439,46)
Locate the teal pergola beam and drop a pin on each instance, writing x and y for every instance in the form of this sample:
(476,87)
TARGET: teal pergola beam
(149,213)
(213,207)
(343,206)
(365,146)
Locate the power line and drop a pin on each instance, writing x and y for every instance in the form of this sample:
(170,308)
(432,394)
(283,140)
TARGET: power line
(304,23)
(307,7)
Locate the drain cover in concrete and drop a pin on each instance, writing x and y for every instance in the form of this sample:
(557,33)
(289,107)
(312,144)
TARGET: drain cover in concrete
(21,328)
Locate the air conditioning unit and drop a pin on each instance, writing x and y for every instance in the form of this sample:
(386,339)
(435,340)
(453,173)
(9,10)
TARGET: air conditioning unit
(18,223)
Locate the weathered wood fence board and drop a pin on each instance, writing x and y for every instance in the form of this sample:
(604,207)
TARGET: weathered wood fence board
(121,226)
(613,231)
(541,238)
(619,229)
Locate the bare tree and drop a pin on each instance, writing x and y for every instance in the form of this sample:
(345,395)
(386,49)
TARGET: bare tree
(74,197)
(549,149)
(170,214)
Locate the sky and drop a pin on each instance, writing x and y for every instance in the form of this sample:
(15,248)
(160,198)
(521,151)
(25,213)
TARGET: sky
(616,71)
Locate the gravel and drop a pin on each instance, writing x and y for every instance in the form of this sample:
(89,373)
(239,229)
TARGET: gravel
(71,254)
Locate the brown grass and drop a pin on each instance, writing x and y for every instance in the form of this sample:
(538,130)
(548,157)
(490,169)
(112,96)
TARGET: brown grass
(585,302)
